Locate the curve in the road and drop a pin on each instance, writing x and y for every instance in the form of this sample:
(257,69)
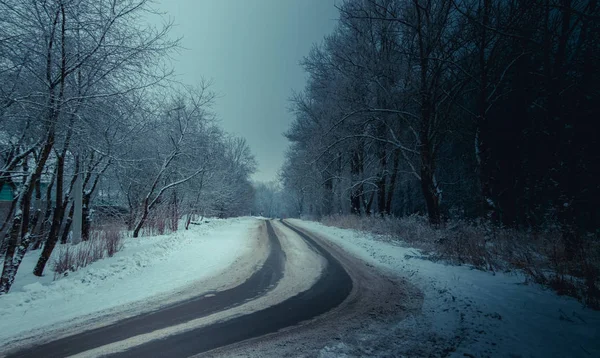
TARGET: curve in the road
(330,290)
(261,282)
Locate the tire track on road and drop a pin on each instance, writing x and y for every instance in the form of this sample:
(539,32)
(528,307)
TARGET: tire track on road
(330,290)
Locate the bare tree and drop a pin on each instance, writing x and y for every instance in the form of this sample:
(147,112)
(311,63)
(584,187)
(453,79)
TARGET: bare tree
(184,122)
(75,53)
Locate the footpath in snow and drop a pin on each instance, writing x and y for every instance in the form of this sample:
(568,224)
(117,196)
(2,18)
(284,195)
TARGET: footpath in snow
(145,269)
(466,312)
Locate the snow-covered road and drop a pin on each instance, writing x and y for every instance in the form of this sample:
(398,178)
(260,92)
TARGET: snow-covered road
(258,316)
(295,282)
(399,303)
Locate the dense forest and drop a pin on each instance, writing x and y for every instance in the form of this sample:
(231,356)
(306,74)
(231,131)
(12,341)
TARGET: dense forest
(89,104)
(464,127)
(452,109)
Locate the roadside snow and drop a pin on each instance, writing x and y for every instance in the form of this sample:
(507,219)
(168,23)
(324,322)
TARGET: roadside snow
(465,312)
(146,268)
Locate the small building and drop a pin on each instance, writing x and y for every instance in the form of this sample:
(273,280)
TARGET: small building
(6,198)
(6,194)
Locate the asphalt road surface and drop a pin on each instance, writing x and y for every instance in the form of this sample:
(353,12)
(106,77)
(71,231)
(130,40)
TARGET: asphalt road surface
(330,290)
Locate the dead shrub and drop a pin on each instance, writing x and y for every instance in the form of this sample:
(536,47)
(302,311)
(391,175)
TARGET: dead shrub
(156,225)
(113,241)
(540,254)
(413,229)
(466,244)
(103,242)
(64,262)
(83,254)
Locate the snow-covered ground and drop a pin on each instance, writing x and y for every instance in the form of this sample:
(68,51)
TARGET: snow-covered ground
(465,312)
(144,269)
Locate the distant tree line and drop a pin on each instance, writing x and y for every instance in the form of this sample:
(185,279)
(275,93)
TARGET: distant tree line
(86,93)
(453,109)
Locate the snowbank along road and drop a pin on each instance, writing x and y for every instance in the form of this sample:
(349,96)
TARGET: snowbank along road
(149,273)
(210,302)
(302,284)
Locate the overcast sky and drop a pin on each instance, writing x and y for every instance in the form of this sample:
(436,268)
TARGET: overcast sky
(251,49)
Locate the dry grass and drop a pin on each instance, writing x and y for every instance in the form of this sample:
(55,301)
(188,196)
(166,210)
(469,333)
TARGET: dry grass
(103,242)
(541,255)
(156,224)
(112,239)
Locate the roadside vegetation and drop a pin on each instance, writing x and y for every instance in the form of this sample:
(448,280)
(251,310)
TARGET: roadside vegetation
(95,127)
(104,242)
(466,128)
(540,255)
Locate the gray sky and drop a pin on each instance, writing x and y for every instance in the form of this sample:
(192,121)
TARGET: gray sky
(251,49)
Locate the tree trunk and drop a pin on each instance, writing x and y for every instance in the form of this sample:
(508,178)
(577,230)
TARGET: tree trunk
(355,193)
(354,203)
(67,227)
(174,212)
(428,184)
(482,134)
(21,219)
(431,194)
(138,227)
(47,212)
(86,220)
(381,182)
(328,197)
(37,205)
(392,187)
(369,204)
(429,187)
(9,271)
(20,224)
(57,219)
(188,220)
